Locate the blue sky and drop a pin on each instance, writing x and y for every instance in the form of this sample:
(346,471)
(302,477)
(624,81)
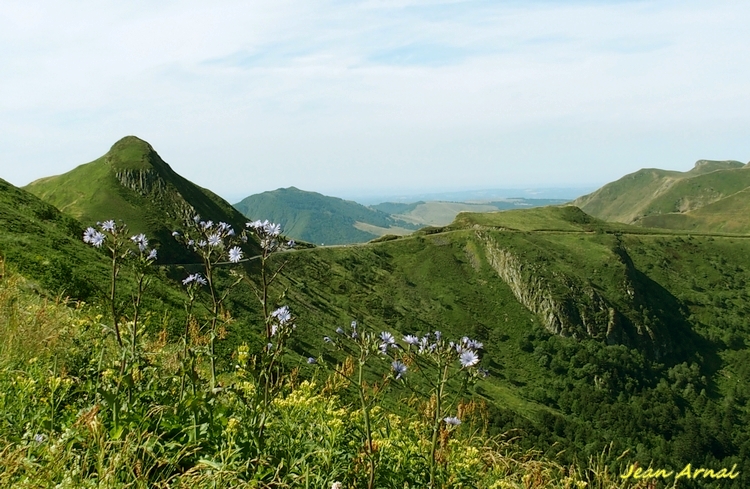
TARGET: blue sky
(376,97)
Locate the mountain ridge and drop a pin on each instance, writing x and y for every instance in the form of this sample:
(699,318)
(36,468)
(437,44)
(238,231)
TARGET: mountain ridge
(673,199)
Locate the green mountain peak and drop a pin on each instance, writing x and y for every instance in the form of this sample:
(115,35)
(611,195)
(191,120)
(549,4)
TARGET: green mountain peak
(132,183)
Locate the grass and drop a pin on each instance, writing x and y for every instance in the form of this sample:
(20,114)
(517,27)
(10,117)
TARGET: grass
(667,383)
(708,198)
(55,429)
(133,184)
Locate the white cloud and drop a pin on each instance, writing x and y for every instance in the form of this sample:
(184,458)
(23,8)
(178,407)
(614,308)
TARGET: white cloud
(332,96)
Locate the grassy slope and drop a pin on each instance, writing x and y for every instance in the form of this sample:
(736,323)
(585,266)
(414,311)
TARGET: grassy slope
(689,200)
(442,279)
(317,218)
(93,192)
(690,290)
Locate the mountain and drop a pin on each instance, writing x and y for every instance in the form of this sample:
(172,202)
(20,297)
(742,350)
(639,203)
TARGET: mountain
(594,332)
(320,219)
(132,183)
(596,335)
(708,198)
(441,213)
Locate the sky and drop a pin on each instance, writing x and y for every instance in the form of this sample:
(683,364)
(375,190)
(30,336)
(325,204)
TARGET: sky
(361,98)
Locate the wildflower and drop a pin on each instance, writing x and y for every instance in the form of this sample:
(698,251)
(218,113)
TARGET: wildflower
(327,339)
(337,485)
(235,254)
(207,224)
(39,438)
(339,330)
(140,240)
(399,368)
(410,339)
(387,338)
(214,240)
(88,235)
(291,243)
(269,346)
(468,358)
(274,329)
(97,239)
(201,243)
(175,233)
(273,229)
(438,335)
(452,421)
(196,277)
(109,226)
(311,361)
(282,314)
(475,345)
(197,218)
(152,255)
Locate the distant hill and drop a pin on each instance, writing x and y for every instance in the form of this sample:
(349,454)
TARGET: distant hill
(441,213)
(133,184)
(711,197)
(317,218)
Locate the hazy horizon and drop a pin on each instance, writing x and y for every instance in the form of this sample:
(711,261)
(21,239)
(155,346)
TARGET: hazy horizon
(381,96)
(462,195)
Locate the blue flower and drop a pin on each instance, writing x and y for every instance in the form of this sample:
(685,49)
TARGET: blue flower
(327,339)
(109,226)
(196,277)
(97,239)
(88,235)
(399,368)
(468,358)
(291,243)
(311,360)
(214,240)
(452,421)
(272,229)
(235,254)
(387,338)
(140,240)
(282,314)
(151,255)
(410,339)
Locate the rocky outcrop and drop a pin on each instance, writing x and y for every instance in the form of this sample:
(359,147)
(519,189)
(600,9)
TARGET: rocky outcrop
(561,313)
(574,306)
(144,182)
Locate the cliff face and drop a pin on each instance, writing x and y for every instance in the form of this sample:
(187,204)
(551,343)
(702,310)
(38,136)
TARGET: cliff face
(575,306)
(143,182)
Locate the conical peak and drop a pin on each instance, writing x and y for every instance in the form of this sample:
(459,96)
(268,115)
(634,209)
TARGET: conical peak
(133,153)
